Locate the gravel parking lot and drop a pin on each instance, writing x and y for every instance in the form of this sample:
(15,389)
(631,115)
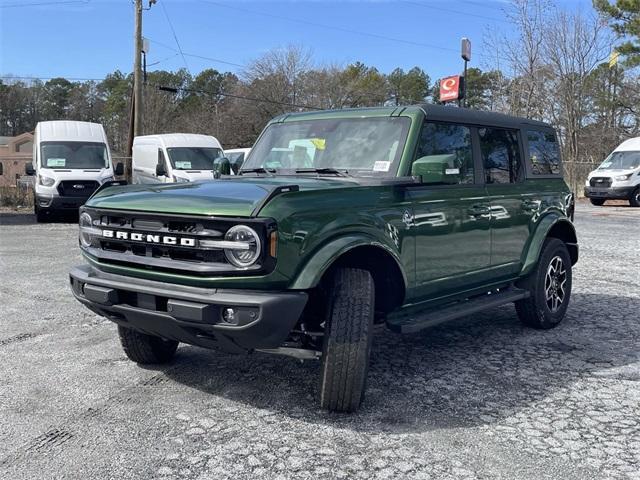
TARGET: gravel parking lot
(482,397)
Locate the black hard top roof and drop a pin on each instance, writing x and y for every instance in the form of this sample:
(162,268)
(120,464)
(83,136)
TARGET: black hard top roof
(433,112)
(477,117)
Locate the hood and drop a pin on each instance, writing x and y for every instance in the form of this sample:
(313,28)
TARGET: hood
(194,175)
(610,172)
(76,173)
(236,196)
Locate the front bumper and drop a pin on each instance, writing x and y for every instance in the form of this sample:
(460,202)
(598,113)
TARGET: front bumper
(621,193)
(262,320)
(48,202)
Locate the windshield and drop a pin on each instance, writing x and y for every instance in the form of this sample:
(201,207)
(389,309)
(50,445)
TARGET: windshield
(193,158)
(69,155)
(367,146)
(621,161)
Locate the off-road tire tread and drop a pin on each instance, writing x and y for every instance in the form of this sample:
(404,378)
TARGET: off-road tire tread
(598,202)
(528,310)
(347,342)
(145,349)
(632,200)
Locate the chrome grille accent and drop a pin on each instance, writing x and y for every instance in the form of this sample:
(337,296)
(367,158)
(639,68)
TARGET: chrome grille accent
(195,258)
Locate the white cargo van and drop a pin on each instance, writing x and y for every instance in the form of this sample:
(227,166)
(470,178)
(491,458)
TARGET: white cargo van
(237,156)
(618,177)
(175,157)
(70,161)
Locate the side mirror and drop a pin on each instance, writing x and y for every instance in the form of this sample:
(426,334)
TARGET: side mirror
(224,166)
(119,170)
(161,170)
(29,170)
(221,166)
(436,169)
(1,169)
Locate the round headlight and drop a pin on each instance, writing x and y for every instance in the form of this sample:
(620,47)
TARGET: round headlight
(248,246)
(85,229)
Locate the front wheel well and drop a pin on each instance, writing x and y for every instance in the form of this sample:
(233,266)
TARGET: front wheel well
(564,231)
(387,276)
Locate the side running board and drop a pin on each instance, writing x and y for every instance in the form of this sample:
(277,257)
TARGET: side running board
(411,320)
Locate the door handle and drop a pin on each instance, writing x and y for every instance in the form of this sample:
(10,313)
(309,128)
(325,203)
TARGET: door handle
(478,210)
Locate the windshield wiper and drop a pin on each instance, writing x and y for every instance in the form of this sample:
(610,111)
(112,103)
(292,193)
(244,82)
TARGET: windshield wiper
(326,170)
(258,170)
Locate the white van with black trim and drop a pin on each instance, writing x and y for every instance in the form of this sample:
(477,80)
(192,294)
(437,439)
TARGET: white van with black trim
(618,177)
(71,160)
(175,158)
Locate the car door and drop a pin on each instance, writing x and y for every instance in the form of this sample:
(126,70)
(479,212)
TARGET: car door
(512,202)
(451,221)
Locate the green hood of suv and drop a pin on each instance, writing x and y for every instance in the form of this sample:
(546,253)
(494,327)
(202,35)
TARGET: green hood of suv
(238,197)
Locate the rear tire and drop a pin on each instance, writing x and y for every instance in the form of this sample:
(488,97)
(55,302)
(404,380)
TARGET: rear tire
(145,349)
(347,340)
(634,200)
(598,202)
(549,286)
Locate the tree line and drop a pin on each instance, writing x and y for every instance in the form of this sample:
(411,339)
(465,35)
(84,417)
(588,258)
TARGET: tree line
(553,66)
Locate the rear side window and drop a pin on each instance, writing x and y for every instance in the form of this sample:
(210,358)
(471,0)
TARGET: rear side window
(544,154)
(500,155)
(450,143)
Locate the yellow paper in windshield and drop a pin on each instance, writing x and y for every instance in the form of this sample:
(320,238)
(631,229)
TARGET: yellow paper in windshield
(319,143)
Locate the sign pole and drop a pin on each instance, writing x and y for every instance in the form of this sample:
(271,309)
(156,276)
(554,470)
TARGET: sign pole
(465,53)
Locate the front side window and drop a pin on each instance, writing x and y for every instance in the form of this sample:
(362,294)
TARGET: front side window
(500,155)
(193,158)
(70,155)
(544,154)
(449,144)
(358,146)
(627,160)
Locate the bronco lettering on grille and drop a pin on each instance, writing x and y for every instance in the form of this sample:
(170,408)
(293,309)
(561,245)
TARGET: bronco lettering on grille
(149,238)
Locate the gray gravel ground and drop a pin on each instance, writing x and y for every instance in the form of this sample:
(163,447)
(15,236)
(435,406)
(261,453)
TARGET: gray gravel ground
(479,398)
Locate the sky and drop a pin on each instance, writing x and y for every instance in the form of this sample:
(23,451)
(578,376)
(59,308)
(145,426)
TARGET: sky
(91,38)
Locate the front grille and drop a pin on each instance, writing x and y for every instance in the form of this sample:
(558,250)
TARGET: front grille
(191,260)
(77,188)
(604,182)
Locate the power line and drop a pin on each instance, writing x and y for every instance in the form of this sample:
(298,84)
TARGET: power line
(202,57)
(239,97)
(456,12)
(175,37)
(76,79)
(333,27)
(486,4)
(162,60)
(343,29)
(37,4)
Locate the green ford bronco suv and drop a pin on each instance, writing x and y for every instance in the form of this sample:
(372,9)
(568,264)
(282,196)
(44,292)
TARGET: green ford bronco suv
(409,216)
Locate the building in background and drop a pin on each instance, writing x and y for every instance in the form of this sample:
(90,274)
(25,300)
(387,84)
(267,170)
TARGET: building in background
(15,153)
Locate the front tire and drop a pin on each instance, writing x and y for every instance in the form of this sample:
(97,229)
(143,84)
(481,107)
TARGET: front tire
(146,349)
(634,200)
(347,340)
(41,216)
(598,202)
(549,286)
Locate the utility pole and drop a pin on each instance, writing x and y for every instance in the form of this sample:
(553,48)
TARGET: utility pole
(136,119)
(137,71)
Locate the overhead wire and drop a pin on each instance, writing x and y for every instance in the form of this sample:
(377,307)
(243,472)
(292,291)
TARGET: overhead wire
(38,4)
(240,97)
(338,28)
(455,12)
(175,37)
(202,57)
